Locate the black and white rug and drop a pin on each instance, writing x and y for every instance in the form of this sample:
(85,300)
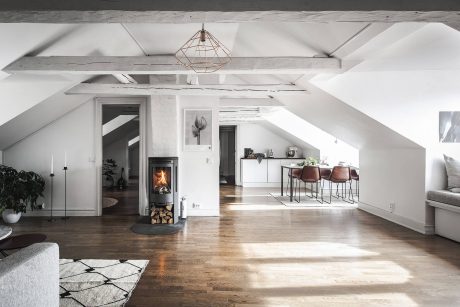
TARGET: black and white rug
(98,282)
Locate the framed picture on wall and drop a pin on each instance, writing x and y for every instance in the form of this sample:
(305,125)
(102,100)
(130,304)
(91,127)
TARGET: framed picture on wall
(197,129)
(449,127)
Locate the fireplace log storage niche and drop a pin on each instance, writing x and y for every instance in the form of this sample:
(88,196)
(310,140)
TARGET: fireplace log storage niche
(163,197)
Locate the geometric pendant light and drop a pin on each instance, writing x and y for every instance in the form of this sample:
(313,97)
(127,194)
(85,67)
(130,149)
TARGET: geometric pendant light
(203,53)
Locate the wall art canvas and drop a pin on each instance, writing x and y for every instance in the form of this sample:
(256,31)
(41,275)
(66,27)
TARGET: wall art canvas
(198,129)
(449,127)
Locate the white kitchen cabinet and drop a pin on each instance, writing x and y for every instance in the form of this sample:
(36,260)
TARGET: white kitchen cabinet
(274,170)
(253,172)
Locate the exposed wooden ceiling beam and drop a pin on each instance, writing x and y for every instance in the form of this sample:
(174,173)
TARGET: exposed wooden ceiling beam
(167,64)
(183,11)
(249,102)
(263,90)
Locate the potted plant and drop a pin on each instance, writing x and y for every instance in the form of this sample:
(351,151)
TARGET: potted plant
(32,185)
(312,161)
(17,191)
(108,171)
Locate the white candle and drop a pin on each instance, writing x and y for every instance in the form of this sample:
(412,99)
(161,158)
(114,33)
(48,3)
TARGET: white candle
(65,158)
(52,164)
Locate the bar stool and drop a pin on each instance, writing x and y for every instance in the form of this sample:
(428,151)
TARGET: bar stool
(340,175)
(355,176)
(311,174)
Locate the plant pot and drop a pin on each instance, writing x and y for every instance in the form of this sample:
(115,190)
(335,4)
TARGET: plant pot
(10,217)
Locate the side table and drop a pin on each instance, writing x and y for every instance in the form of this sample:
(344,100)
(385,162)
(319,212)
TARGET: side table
(20,241)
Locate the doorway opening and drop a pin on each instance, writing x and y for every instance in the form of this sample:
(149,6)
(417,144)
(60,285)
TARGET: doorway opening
(120,159)
(227,166)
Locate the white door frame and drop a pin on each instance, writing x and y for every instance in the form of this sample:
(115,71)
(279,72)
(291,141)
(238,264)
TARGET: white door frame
(142,102)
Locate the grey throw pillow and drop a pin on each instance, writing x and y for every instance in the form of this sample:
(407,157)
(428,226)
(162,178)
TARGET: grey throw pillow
(453,174)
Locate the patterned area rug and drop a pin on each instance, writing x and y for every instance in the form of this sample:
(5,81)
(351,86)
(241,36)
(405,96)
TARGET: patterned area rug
(109,202)
(306,202)
(98,282)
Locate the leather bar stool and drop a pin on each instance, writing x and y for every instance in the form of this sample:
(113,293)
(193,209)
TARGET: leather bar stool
(355,176)
(340,175)
(311,174)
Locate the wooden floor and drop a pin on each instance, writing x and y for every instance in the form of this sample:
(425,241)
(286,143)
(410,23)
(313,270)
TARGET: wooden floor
(262,253)
(128,199)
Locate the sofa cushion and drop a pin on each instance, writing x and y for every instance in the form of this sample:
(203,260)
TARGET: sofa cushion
(453,173)
(30,277)
(446,197)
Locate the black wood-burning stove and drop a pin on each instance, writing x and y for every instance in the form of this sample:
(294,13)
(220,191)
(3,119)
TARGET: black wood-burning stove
(163,197)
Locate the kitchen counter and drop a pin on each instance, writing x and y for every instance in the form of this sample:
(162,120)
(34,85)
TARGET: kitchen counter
(274,158)
(267,173)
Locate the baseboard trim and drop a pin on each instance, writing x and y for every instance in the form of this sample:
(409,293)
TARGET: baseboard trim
(397,219)
(261,184)
(61,213)
(201,212)
(430,230)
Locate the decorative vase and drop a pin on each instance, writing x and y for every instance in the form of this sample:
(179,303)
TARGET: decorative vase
(10,217)
(121,183)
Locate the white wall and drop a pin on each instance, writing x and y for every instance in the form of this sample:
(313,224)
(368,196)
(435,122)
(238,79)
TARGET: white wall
(199,170)
(404,86)
(163,126)
(332,149)
(394,176)
(73,133)
(260,139)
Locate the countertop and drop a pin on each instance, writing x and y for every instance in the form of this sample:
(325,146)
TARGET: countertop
(274,158)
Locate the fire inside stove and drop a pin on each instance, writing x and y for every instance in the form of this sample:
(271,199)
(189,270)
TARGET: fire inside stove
(162,181)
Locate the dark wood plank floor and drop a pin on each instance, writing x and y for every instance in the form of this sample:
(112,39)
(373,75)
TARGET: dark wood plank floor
(128,199)
(262,253)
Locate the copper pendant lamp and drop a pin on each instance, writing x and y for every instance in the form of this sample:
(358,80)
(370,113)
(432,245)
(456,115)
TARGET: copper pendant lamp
(203,53)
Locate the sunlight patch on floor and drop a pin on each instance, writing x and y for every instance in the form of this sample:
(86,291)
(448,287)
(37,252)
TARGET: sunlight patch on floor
(308,276)
(247,196)
(319,273)
(355,300)
(302,250)
(277,206)
(252,207)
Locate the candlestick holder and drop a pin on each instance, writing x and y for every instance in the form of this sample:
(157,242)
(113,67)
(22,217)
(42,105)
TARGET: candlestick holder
(51,219)
(65,194)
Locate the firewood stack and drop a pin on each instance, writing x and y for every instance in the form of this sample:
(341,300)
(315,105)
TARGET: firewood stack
(162,215)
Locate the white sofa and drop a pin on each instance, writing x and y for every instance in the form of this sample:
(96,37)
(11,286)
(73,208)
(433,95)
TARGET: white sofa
(447,213)
(30,277)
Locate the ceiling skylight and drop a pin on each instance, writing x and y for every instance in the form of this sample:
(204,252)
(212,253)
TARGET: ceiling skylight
(133,141)
(115,123)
